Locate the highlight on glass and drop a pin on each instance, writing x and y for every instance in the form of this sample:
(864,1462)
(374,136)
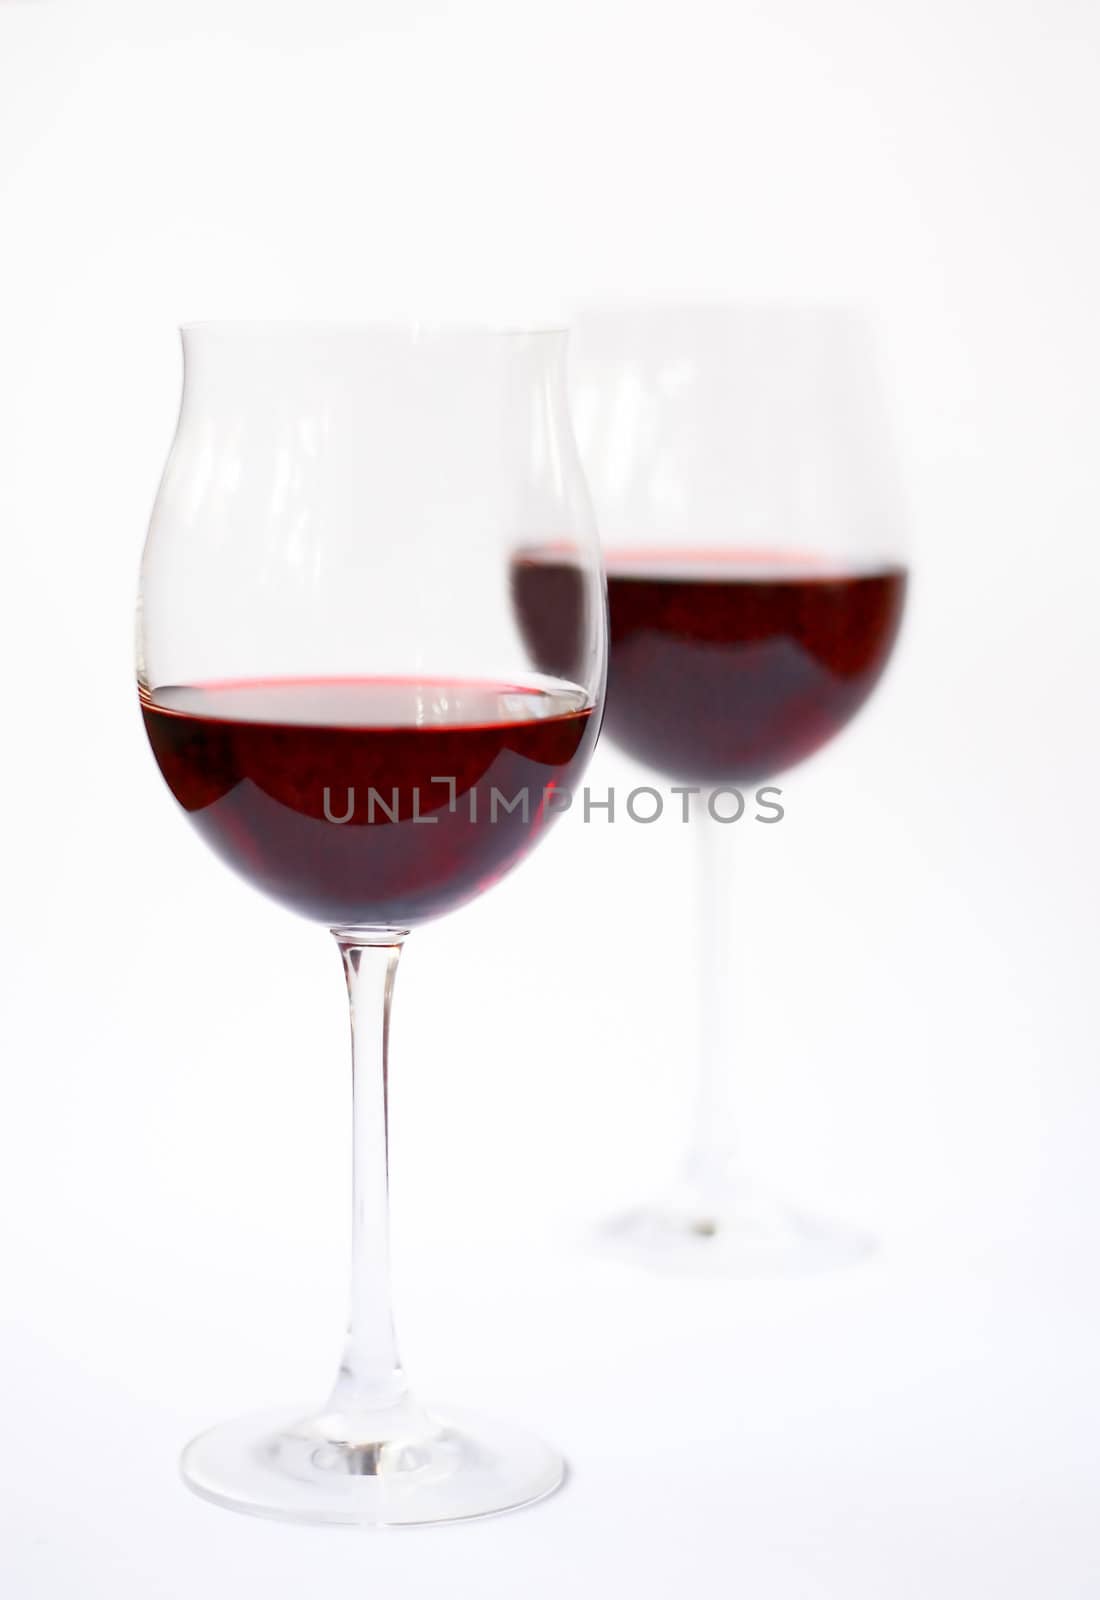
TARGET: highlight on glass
(749,515)
(339,695)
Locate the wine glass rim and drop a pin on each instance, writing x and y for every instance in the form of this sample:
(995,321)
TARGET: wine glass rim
(411,328)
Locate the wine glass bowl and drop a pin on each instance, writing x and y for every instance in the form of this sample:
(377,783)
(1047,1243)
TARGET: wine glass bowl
(339,697)
(332,497)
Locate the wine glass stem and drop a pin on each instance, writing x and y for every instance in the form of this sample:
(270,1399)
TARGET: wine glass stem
(371,1377)
(713,1148)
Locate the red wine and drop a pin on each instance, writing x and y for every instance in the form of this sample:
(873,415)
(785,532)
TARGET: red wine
(726,666)
(373,802)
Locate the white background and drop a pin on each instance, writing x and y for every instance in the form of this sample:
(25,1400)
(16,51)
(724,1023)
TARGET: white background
(919,938)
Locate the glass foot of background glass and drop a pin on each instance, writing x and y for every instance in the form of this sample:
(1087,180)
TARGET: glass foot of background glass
(731,1228)
(400,1468)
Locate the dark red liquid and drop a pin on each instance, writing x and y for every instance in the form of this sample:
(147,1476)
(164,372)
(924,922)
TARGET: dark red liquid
(725,666)
(250,762)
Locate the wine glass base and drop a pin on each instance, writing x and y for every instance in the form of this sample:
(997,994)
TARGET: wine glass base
(734,1231)
(408,1469)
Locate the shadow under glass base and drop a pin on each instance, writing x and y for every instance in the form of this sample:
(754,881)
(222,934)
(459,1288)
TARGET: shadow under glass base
(730,1227)
(394,1468)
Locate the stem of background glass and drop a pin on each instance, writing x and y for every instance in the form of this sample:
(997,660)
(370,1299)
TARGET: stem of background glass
(712,1155)
(371,1378)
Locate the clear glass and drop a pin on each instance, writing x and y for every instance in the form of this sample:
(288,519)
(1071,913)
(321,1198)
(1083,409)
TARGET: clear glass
(338,692)
(749,512)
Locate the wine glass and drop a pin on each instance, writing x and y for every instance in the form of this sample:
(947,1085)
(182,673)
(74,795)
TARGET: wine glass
(748,509)
(338,695)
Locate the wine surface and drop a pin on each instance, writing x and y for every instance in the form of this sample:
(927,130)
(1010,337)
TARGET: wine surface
(368,802)
(726,665)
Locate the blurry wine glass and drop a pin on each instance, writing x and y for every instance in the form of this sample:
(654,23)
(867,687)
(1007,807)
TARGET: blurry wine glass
(748,511)
(338,695)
